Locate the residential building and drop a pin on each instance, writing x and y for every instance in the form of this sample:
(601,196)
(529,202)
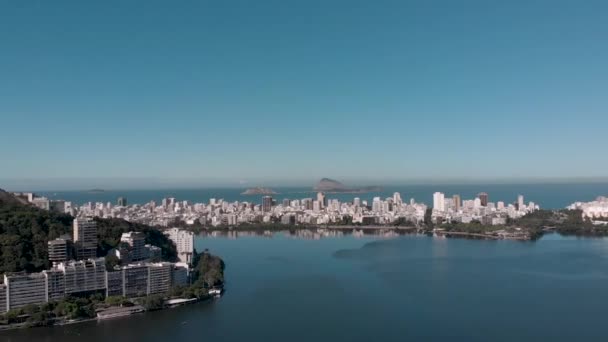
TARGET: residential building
(3,302)
(266,203)
(135,280)
(84,276)
(483,198)
(85,238)
(184,241)
(55,284)
(114,283)
(439,201)
(136,242)
(121,202)
(159,277)
(24,289)
(59,250)
(180,274)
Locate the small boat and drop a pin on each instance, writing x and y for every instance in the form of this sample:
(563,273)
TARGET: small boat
(216,291)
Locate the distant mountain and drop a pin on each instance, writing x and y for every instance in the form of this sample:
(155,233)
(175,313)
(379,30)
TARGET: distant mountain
(259,191)
(96,191)
(332,185)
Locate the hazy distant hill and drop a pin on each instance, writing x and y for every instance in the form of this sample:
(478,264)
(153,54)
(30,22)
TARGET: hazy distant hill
(259,191)
(331,185)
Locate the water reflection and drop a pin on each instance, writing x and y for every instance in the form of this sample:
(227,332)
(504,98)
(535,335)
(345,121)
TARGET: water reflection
(309,234)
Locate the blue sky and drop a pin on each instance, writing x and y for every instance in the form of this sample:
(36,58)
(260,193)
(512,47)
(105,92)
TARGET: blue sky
(289,91)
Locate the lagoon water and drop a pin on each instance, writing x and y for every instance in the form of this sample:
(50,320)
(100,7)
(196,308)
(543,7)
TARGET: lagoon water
(406,288)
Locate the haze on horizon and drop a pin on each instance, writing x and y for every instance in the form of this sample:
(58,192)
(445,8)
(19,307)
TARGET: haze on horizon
(287,92)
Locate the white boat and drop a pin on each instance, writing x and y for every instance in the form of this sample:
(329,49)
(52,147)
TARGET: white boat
(217,292)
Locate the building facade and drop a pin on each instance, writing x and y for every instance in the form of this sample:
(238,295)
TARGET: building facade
(25,289)
(184,241)
(85,238)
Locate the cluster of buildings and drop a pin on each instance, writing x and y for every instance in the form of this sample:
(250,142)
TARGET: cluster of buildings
(217,212)
(454,209)
(77,271)
(593,210)
(311,211)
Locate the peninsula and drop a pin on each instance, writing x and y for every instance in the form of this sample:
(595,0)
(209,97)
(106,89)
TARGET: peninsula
(110,268)
(259,191)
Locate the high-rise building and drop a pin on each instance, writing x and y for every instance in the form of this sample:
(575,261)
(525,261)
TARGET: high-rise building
(307,203)
(483,197)
(357,202)
(316,206)
(321,199)
(286,202)
(376,205)
(439,201)
(59,250)
(122,202)
(397,198)
(520,202)
(457,202)
(136,242)
(266,203)
(85,238)
(184,241)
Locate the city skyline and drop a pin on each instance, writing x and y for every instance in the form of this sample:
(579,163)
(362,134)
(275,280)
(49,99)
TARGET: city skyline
(278,91)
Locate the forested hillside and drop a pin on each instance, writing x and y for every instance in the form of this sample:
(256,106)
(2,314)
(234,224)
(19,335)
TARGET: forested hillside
(25,231)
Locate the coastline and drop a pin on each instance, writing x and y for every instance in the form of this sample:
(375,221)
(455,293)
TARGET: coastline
(60,322)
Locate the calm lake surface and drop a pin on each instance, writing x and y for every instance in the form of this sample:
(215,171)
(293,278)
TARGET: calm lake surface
(282,288)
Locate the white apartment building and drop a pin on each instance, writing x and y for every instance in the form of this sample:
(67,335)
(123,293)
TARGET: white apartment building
(184,241)
(84,275)
(439,201)
(24,289)
(159,277)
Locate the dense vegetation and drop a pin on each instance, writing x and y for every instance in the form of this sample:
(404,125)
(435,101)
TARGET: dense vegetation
(25,231)
(109,231)
(48,313)
(208,270)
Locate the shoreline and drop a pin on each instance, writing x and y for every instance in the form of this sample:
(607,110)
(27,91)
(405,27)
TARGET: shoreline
(20,326)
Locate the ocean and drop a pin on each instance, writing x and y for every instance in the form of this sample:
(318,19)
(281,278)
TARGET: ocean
(548,196)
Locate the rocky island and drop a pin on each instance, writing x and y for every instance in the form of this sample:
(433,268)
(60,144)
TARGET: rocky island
(259,191)
(334,186)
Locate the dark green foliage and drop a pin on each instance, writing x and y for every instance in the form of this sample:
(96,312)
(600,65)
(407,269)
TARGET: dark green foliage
(45,314)
(110,230)
(428,218)
(25,231)
(153,302)
(208,270)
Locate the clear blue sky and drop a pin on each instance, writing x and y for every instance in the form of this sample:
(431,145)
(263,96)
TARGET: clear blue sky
(297,90)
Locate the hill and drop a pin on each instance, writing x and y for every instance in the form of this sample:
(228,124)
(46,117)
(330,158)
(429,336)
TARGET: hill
(259,191)
(331,185)
(25,231)
(327,184)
